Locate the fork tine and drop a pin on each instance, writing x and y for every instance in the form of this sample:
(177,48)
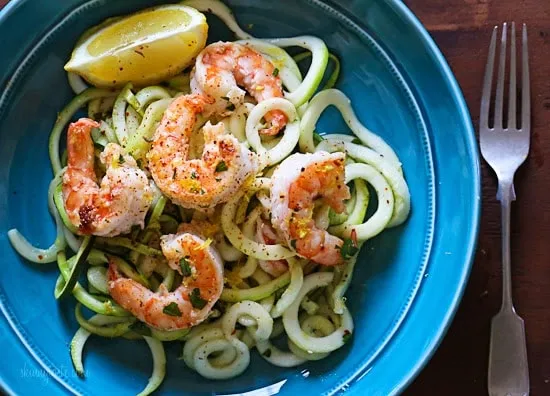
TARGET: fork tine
(525,90)
(487,82)
(512,94)
(500,80)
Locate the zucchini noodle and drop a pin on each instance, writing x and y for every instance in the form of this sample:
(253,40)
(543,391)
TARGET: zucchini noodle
(77,83)
(252,309)
(275,356)
(337,98)
(291,292)
(268,259)
(392,175)
(35,254)
(256,293)
(381,218)
(65,116)
(319,60)
(305,341)
(137,144)
(119,114)
(331,81)
(81,336)
(291,135)
(240,241)
(159,366)
(97,277)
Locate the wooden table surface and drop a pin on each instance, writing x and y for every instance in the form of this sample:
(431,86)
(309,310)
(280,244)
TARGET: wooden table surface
(462,28)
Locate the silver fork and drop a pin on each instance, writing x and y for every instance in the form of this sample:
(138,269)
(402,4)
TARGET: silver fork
(505,149)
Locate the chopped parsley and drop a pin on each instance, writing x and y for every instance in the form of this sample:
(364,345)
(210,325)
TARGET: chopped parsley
(171,309)
(230,107)
(225,98)
(221,167)
(185,267)
(293,243)
(275,72)
(348,249)
(357,141)
(196,300)
(120,159)
(267,353)
(193,175)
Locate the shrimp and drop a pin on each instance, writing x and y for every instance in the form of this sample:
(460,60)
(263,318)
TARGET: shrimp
(122,198)
(296,183)
(266,234)
(197,183)
(191,302)
(221,67)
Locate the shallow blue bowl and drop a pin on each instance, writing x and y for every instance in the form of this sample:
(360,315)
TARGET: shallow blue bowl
(409,280)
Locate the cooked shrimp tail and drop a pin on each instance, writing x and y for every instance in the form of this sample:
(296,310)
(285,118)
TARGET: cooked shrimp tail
(222,67)
(191,302)
(197,183)
(297,182)
(123,196)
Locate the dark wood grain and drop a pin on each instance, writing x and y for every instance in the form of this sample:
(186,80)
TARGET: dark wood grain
(462,28)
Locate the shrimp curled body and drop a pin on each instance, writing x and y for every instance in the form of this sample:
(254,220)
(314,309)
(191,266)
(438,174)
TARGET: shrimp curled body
(297,182)
(197,183)
(122,198)
(222,67)
(191,302)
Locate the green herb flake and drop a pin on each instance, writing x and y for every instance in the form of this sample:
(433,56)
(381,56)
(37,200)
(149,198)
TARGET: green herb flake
(120,159)
(348,249)
(196,300)
(185,267)
(225,98)
(171,309)
(357,141)
(221,167)
(275,72)
(267,353)
(193,175)
(230,107)
(347,336)
(293,243)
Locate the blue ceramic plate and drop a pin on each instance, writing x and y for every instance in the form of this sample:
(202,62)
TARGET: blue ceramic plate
(409,280)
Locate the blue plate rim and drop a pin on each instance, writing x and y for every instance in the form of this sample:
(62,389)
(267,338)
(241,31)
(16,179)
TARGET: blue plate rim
(409,17)
(475,218)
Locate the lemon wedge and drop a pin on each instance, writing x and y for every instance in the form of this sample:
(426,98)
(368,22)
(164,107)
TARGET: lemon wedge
(142,48)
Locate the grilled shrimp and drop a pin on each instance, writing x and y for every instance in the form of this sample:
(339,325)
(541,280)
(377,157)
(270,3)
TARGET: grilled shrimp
(122,198)
(191,302)
(297,182)
(222,67)
(197,183)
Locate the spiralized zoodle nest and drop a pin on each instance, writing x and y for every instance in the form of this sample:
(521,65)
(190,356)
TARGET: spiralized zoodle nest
(305,302)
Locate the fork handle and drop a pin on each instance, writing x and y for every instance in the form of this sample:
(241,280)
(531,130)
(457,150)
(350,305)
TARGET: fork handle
(506,195)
